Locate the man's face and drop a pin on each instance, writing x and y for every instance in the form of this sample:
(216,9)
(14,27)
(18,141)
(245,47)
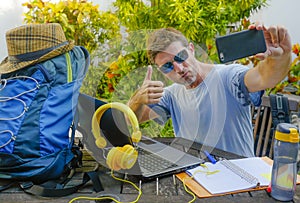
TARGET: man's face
(178,64)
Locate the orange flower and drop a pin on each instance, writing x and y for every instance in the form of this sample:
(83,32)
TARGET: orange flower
(110,75)
(110,87)
(245,22)
(295,49)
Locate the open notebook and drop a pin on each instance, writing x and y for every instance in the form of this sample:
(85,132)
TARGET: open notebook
(227,176)
(227,182)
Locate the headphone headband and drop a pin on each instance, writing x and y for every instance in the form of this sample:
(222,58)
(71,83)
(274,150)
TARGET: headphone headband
(100,141)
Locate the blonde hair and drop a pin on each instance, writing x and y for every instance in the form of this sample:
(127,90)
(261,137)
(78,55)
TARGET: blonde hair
(160,39)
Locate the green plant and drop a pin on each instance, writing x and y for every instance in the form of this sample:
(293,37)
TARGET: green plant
(80,19)
(82,22)
(200,21)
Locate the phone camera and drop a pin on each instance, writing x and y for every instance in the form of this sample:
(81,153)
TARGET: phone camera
(221,56)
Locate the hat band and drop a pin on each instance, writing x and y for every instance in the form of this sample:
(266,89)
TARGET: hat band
(34,55)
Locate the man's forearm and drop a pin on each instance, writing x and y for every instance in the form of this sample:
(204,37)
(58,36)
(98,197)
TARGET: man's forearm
(142,111)
(274,70)
(268,73)
(136,107)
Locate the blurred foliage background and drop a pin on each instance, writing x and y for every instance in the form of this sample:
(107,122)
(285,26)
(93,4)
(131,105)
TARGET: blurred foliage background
(116,38)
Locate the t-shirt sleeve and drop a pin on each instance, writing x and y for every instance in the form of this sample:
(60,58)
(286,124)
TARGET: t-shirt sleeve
(240,91)
(162,108)
(163,113)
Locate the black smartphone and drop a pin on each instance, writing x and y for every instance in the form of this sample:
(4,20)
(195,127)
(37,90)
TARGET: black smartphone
(240,45)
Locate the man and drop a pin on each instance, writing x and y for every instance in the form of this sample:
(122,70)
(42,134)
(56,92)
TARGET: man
(209,103)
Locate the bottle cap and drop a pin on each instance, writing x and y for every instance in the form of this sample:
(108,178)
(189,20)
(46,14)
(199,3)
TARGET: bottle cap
(287,132)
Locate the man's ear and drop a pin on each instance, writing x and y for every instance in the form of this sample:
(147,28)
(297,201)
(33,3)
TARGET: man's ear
(191,48)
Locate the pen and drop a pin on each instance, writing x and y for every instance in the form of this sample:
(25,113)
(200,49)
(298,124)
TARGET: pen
(210,157)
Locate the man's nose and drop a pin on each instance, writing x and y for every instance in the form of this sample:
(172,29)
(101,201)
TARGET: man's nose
(178,67)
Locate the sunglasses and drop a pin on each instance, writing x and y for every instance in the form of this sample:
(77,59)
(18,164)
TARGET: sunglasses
(179,58)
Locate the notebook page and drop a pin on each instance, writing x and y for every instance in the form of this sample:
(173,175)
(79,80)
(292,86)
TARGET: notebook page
(256,167)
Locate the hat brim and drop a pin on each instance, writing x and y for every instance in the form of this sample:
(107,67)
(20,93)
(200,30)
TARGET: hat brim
(7,67)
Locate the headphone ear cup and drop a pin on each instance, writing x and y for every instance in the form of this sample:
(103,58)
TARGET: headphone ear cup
(111,159)
(121,157)
(136,136)
(128,157)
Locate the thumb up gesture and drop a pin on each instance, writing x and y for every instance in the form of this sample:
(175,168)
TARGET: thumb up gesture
(151,91)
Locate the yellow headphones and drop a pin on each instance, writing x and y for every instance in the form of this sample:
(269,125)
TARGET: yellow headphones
(118,157)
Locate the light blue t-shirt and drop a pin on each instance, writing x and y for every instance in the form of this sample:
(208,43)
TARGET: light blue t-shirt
(216,113)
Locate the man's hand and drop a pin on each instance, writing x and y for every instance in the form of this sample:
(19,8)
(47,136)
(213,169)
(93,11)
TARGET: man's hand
(151,91)
(278,41)
(275,62)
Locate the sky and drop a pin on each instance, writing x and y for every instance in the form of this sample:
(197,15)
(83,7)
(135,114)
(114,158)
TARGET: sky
(278,12)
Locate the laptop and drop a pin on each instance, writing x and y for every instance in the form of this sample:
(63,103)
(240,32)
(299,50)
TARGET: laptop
(155,159)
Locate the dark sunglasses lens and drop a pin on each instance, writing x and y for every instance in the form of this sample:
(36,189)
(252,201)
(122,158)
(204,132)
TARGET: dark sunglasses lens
(181,56)
(167,67)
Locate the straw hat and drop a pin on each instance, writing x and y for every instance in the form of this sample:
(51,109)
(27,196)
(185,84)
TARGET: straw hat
(33,43)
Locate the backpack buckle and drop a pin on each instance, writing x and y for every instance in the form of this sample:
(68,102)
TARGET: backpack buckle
(26,185)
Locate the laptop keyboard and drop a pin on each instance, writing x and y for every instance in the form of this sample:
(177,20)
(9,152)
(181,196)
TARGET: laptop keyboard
(152,162)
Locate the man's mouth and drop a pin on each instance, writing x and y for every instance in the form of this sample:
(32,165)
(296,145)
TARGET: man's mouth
(184,75)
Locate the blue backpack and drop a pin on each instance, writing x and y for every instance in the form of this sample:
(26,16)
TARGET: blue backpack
(37,110)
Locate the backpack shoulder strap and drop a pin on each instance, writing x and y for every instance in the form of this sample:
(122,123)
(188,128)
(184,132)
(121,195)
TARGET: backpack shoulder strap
(53,189)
